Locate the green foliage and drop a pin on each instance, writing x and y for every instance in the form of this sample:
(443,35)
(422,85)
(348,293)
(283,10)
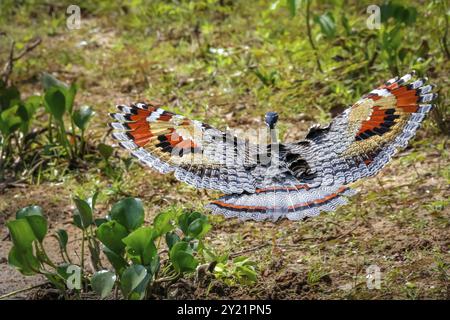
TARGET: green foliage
(240,270)
(315,274)
(129,212)
(83,214)
(55,102)
(327,24)
(59,101)
(102,282)
(19,134)
(82,116)
(134,281)
(132,248)
(16,117)
(34,216)
(111,234)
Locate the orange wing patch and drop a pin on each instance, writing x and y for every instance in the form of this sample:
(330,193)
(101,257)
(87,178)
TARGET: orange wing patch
(382,115)
(155,129)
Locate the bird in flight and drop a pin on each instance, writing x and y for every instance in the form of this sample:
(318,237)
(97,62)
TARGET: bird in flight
(273,180)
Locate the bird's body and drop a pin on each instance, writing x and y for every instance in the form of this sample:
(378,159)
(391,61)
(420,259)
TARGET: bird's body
(279,180)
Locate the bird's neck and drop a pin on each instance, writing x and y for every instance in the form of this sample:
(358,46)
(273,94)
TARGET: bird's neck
(274,147)
(273,133)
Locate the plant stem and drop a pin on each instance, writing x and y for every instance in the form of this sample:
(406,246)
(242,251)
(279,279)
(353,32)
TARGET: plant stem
(50,131)
(2,150)
(74,135)
(82,254)
(63,139)
(169,278)
(48,261)
(311,42)
(67,255)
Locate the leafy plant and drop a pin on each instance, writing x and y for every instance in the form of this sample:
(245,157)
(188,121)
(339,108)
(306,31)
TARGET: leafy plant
(240,270)
(16,117)
(28,254)
(59,101)
(21,147)
(133,249)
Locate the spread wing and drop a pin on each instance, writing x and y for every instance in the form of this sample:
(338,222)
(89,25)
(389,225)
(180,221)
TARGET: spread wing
(197,153)
(361,141)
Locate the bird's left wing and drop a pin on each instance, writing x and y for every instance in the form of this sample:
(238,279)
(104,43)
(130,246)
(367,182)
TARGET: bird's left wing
(362,140)
(197,153)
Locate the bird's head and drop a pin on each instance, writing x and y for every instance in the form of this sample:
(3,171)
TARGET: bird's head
(271,119)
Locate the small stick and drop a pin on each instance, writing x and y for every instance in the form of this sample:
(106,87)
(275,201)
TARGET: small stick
(22,290)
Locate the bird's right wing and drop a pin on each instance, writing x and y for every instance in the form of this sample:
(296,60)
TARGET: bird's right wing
(362,140)
(197,153)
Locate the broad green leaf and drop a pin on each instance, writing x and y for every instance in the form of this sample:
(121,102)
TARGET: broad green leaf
(84,211)
(129,212)
(77,219)
(23,260)
(117,261)
(8,97)
(162,223)
(140,245)
(70,96)
(55,102)
(93,200)
(134,279)
(194,224)
(21,233)
(248,272)
(49,81)
(26,112)
(99,221)
(180,246)
(29,211)
(154,265)
(171,239)
(139,292)
(9,121)
(183,262)
(102,282)
(82,116)
(63,238)
(185,219)
(182,258)
(105,150)
(111,234)
(199,227)
(39,226)
(33,214)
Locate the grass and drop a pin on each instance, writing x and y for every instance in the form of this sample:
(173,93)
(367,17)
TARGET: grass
(228,63)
